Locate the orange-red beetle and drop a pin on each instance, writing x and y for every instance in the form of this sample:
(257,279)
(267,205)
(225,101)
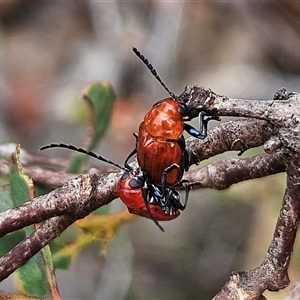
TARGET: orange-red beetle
(139,195)
(160,148)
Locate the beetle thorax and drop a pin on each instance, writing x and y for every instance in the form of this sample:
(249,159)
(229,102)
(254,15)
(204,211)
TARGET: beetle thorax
(164,120)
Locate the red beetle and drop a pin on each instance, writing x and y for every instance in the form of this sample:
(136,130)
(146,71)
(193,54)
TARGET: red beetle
(146,199)
(163,161)
(160,148)
(139,195)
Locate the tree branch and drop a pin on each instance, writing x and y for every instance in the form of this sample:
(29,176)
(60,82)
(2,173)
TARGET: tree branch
(272,273)
(237,135)
(78,197)
(281,112)
(75,200)
(222,174)
(273,123)
(41,237)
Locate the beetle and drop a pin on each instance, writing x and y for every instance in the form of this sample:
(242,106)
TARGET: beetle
(160,144)
(141,197)
(147,199)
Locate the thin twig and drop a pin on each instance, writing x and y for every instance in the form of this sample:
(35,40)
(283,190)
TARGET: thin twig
(276,123)
(272,273)
(222,174)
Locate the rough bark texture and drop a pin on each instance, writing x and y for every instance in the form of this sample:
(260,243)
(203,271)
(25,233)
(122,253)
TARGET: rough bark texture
(272,123)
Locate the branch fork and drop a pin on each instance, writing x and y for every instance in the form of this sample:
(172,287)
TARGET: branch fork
(273,123)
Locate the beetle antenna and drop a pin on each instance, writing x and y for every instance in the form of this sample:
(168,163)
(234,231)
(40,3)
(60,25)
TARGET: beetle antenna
(84,151)
(152,70)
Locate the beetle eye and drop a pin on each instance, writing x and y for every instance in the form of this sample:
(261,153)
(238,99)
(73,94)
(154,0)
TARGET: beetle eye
(182,110)
(136,183)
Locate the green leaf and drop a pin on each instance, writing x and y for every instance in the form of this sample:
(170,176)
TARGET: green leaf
(21,185)
(103,210)
(6,201)
(61,258)
(100,99)
(10,240)
(31,279)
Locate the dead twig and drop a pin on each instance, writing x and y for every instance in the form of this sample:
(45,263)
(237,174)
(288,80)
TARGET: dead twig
(272,123)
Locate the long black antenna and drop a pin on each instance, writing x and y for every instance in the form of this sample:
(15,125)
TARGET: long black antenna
(126,168)
(87,152)
(152,70)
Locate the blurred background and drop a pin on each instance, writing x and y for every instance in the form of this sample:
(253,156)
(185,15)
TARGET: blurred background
(51,50)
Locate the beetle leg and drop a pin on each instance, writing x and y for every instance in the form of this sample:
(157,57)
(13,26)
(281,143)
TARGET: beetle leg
(189,158)
(164,176)
(136,138)
(147,200)
(126,165)
(202,132)
(194,132)
(173,199)
(203,122)
(134,151)
(187,186)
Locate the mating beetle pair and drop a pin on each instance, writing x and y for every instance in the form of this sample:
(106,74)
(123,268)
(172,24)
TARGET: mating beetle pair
(149,190)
